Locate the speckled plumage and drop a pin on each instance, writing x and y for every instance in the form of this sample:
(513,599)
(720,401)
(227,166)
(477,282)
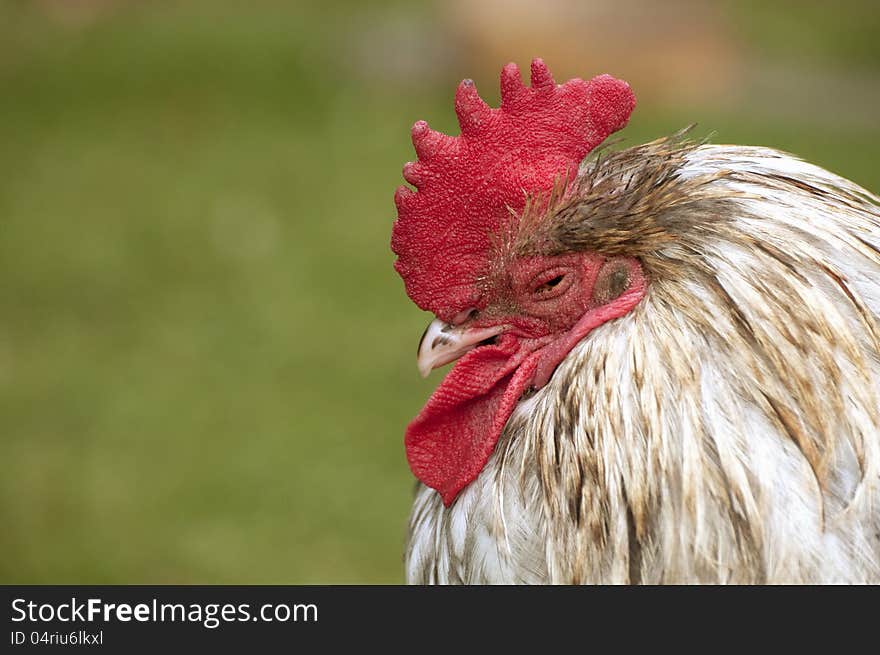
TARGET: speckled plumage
(727,430)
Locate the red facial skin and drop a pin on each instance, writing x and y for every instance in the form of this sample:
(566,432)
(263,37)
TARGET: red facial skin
(550,304)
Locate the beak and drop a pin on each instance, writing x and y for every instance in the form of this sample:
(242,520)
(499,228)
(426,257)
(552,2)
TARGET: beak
(443,343)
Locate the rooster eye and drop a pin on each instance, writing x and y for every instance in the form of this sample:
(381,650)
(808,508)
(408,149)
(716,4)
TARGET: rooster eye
(549,284)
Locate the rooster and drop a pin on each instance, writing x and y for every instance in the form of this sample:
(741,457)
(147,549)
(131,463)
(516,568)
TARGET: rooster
(667,357)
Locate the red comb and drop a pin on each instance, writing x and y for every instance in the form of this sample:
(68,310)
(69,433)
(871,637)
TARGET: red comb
(468,185)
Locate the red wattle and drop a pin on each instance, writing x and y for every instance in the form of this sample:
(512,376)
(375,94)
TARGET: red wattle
(452,438)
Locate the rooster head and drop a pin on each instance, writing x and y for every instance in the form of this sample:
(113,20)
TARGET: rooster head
(474,248)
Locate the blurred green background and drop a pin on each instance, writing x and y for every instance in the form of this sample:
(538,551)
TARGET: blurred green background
(206,358)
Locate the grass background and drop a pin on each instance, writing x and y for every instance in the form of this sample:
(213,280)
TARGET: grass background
(206,359)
